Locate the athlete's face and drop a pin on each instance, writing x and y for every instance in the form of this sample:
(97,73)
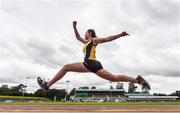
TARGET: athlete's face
(87,35)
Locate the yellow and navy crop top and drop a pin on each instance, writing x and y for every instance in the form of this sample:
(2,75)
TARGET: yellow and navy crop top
(89,50)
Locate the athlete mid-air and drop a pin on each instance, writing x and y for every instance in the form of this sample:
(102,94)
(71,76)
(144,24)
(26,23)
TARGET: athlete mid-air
(90,64)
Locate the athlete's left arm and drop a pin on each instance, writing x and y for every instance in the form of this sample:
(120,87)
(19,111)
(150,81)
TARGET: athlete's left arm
(109,38)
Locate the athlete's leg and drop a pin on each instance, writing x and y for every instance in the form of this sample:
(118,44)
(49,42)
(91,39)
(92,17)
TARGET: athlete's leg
(74,67)
(115,78)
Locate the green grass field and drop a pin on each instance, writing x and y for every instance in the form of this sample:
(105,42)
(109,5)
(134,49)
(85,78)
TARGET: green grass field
(93,103)
(76,103)
(20,98)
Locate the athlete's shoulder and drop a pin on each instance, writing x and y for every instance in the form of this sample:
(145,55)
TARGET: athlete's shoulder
(93,41)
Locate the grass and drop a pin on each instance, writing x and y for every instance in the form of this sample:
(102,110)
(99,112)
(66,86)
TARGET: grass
(93,103)
(20,98)
(75,103)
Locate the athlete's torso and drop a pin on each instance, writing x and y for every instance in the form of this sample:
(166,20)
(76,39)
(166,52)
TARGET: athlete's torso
(89,50)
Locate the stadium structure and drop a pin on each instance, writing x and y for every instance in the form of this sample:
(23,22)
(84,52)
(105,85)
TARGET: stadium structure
(148,97)
(93,94)
(116,95)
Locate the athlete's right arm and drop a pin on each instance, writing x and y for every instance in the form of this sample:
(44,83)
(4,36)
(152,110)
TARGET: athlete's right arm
(78,37)
(109,38)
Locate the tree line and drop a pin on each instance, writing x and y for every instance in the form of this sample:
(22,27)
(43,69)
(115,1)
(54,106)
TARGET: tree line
(60,94)
(19,90)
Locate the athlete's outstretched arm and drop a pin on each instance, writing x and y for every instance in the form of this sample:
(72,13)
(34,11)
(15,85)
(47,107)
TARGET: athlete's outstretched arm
(78,37)
(109,38)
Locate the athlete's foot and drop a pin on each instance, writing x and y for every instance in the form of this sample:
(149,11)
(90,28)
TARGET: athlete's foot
(42,84)
(143,82)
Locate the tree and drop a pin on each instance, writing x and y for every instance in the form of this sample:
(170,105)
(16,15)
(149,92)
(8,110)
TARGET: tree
(119,85)
(131,88)
(84,87)
(176,93)
(39,93)
(72,92)
(17,90)
(159,94)
(4,90)
(5,86)
(111,87)
(60,94)
(22,88)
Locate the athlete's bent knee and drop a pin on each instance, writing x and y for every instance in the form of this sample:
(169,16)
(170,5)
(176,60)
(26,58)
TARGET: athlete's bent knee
(67,67)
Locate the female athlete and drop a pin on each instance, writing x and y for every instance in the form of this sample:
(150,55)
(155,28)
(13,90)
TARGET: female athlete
(90,64)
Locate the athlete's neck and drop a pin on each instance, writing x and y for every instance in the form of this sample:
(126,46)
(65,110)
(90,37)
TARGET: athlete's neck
(90,38)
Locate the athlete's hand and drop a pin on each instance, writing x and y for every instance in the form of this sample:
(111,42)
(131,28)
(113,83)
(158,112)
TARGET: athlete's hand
(74,23)
(124,33)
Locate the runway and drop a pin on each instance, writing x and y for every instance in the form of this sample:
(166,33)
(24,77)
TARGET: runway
(89,108)
(89,112)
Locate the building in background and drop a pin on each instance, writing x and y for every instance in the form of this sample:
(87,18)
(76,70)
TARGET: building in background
(151,98)
(93,94)
(117,94)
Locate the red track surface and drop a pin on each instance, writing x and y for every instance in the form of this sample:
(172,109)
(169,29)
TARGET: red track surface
(89,108)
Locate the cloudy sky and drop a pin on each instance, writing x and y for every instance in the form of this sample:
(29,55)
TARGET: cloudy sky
(37,39)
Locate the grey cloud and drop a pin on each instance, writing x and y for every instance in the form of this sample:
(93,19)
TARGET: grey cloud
(164,11)
(143,61)
(48,42)
(67,49)
(42,52)
(166,64)
(41,47)
(51,55)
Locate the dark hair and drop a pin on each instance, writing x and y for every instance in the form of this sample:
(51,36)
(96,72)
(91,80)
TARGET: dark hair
(93,33)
